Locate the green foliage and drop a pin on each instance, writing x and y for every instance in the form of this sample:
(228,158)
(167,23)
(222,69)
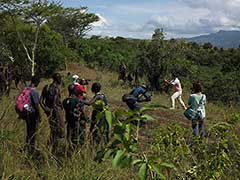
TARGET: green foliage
(72,23)
(212,158)
(51,53)
(123,148)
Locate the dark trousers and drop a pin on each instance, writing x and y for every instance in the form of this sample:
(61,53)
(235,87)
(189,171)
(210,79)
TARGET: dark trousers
(198,128)
(76,133)
(133,105)
(31,124)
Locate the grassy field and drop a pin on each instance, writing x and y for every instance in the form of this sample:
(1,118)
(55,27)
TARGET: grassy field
(16,164)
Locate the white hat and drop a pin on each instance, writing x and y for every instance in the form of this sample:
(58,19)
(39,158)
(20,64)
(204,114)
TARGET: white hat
(75,77)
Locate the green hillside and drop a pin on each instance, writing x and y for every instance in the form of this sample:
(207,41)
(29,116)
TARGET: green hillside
(167,139)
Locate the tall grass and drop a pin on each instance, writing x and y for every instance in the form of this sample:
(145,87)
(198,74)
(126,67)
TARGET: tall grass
(15,163)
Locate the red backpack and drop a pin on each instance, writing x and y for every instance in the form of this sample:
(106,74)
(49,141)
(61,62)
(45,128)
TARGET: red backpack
(22,102)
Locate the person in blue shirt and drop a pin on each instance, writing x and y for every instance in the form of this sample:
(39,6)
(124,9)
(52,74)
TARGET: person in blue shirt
(197,101)
(136,96)
(33,116)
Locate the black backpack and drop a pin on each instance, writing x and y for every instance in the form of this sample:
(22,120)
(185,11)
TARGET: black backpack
(128,98)
(48,94)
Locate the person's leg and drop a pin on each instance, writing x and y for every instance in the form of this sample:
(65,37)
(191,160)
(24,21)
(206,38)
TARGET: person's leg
(173,97)
(60,123)
(31,123)
(195,128)
(181,102)
(201,128)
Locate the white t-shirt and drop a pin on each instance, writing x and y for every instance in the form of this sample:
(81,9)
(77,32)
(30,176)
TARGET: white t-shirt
(177,85)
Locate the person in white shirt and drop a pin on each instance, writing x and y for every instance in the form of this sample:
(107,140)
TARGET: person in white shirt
(177,92)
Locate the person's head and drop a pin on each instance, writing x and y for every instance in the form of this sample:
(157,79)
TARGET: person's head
(82,81)
(196,87)
(72,90)
(75,78)
(96,87)
(57,78)
(174,75)
(144,86)
(35,81)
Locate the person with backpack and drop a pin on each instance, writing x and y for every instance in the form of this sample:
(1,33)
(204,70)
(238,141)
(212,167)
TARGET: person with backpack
(137,95)
(75,117)
(197,102)
(27,107)
(99,103)
(51,103)
(177,88)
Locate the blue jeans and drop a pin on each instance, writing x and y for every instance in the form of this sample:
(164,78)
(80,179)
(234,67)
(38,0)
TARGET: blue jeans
(198,128)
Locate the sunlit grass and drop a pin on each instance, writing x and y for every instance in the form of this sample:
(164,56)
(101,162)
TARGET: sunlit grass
(17,164)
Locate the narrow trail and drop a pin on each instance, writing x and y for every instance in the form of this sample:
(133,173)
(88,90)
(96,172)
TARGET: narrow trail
(162,117)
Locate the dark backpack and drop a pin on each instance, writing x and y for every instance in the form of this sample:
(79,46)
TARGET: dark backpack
(128,98)
(48,94)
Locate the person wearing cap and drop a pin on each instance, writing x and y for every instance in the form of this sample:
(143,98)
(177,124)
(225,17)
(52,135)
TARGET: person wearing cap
(75,78)
(177,88)
(136,96)
(80,88)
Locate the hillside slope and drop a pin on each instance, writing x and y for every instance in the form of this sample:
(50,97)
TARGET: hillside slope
(16,164)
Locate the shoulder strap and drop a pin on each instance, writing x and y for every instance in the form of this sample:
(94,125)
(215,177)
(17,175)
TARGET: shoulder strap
(200,102)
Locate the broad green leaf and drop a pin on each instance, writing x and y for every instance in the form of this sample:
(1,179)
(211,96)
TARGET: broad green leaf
(119,137)
(121,112)
(168,165)
(117,159)
(143,171)
(144,109)
(137,161)
(108,115)
(108,153)
(157,169)
(126,161)
(147,117)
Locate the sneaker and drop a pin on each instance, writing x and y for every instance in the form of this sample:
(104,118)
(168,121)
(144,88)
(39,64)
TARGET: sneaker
(171,108)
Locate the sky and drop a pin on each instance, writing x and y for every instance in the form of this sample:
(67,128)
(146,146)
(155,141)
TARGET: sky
(177,18)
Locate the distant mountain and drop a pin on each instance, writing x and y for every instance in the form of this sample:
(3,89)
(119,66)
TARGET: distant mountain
(225,39)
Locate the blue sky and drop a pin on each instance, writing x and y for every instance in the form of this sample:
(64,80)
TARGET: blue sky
(178,18)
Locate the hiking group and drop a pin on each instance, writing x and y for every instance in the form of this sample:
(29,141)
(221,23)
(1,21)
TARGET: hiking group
(29,102)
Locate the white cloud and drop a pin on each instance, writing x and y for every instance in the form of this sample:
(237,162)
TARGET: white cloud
(179,18)
(101,22)
(194,17)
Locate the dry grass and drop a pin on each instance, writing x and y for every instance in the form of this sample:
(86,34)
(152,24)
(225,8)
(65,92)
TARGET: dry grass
(16,164)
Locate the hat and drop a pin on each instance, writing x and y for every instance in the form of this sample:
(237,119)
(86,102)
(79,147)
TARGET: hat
(144,86)
(75,77)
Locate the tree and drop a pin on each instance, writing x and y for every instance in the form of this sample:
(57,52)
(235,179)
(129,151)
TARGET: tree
(72,23)
(31,15)
(155,59)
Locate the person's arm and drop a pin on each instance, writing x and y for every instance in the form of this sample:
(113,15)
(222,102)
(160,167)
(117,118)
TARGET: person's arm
(42,100)
(145,97)
(83,89)
(166,81)
(93,100)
